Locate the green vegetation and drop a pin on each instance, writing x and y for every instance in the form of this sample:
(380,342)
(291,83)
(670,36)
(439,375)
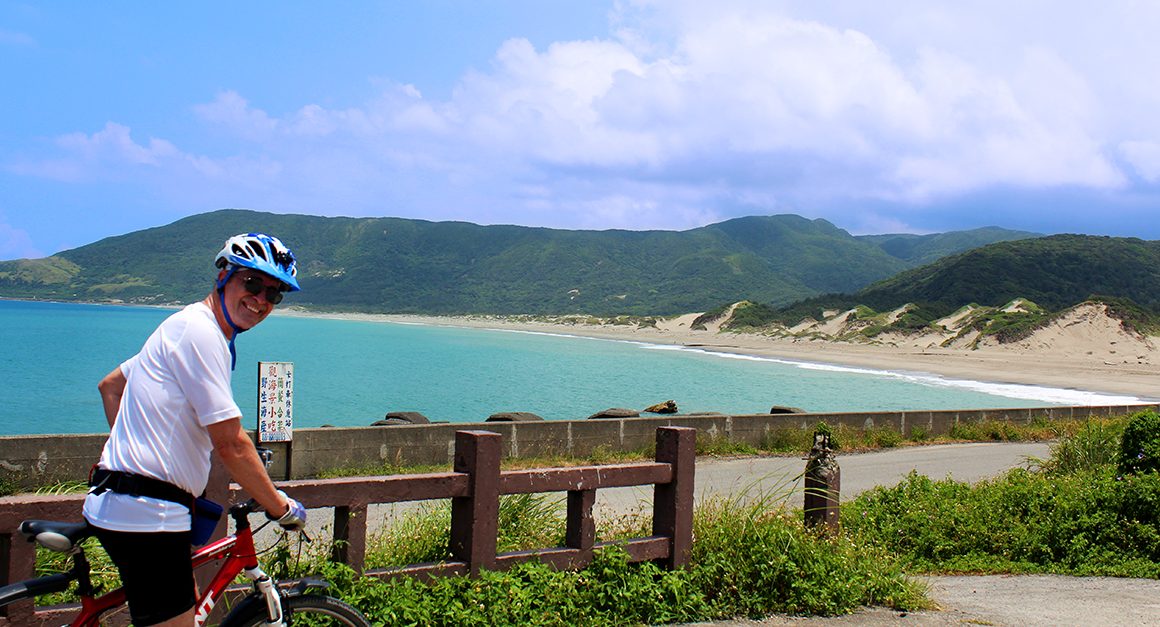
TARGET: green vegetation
(1056,272)
(526,521)
(1075,514)
(1140,446)
(456,267)
(749,315)
(51,270)
(1095,444)
(747,560)
(710,316)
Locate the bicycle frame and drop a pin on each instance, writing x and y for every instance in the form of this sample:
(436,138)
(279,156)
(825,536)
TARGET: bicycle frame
(240,557)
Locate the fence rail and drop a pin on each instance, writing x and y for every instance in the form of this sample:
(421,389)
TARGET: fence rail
(474,487)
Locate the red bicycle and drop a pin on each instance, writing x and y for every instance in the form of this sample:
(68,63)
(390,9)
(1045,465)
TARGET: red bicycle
(267,604)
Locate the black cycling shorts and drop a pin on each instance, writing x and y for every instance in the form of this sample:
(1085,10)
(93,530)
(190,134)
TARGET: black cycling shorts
(156,572)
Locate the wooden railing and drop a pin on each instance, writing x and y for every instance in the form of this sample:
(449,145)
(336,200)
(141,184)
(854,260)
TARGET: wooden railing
(474,486)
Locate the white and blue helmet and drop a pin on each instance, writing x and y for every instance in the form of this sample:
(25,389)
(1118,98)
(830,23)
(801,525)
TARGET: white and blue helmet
(264,253)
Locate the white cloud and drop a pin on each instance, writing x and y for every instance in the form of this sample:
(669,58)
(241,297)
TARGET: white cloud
(689,110)
(86,157)
(1144,156)
(755,86)
(114,143)
(232,112)
(15,243)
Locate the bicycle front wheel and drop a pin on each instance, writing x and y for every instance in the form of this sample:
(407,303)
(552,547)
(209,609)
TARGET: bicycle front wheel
(310,609)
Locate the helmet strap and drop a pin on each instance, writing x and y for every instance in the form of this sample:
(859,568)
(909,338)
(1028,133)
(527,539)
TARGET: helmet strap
(221,291)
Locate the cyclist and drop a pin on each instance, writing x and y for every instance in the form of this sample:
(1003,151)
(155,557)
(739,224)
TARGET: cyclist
(168,406)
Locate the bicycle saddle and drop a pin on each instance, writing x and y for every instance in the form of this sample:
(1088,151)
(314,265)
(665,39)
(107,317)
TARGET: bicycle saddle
(55,536)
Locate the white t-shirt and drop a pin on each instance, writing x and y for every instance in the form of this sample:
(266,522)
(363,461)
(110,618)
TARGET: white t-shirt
(175,387)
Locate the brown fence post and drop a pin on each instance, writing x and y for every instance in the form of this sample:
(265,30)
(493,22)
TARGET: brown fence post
(673,502)
(580,533)
(20,562)
(475,517)
(350,536)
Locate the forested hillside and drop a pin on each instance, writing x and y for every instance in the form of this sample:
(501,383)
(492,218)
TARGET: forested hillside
(1053,272)
(415,266)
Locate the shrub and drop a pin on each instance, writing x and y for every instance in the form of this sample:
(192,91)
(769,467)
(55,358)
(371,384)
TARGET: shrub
(986,430)
(788,440)
(1096,444)
(1078,519)
(747,559)
(884,437)
(919,433)
(750,315)
(753,559)
(1082,524)
(1011,326)
(913,321)
(1140,447)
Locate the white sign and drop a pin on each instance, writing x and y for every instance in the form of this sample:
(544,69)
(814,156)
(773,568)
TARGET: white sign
(275,401)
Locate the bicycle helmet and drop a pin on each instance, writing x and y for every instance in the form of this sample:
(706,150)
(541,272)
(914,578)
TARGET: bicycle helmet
(264,253)
(258,251)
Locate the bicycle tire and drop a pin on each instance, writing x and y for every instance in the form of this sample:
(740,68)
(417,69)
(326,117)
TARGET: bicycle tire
(309,609)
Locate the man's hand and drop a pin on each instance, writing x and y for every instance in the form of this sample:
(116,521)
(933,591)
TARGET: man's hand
(295,517)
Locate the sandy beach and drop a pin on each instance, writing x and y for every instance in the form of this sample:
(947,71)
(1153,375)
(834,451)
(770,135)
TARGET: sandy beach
(1090,356)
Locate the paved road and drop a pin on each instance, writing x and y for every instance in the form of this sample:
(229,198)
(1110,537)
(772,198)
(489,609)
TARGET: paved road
(772,476)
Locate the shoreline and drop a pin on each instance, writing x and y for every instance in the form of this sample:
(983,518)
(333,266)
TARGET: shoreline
(1005,365)
(1047,366)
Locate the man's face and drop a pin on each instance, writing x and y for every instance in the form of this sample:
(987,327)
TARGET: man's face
(246,309)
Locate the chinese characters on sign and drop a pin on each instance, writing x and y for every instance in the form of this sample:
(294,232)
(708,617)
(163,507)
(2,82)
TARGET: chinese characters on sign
(275,401)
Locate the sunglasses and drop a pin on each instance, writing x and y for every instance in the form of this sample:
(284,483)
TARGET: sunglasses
(255,286)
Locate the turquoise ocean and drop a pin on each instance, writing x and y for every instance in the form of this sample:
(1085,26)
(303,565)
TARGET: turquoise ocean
(350,373)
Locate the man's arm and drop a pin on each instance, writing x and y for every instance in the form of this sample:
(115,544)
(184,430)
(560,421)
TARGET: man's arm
(112,387)
(237,452)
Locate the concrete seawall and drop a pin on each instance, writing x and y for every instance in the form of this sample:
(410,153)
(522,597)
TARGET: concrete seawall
(29,461)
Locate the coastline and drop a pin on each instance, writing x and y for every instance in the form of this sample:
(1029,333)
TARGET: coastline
(1053,367)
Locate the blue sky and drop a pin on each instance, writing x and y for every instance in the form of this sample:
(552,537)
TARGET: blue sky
(893,116)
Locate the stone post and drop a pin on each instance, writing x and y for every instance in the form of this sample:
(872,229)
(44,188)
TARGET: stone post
(823,485)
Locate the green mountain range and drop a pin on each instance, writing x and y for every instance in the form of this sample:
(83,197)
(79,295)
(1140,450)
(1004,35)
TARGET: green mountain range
(1054,273)
(414,266)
